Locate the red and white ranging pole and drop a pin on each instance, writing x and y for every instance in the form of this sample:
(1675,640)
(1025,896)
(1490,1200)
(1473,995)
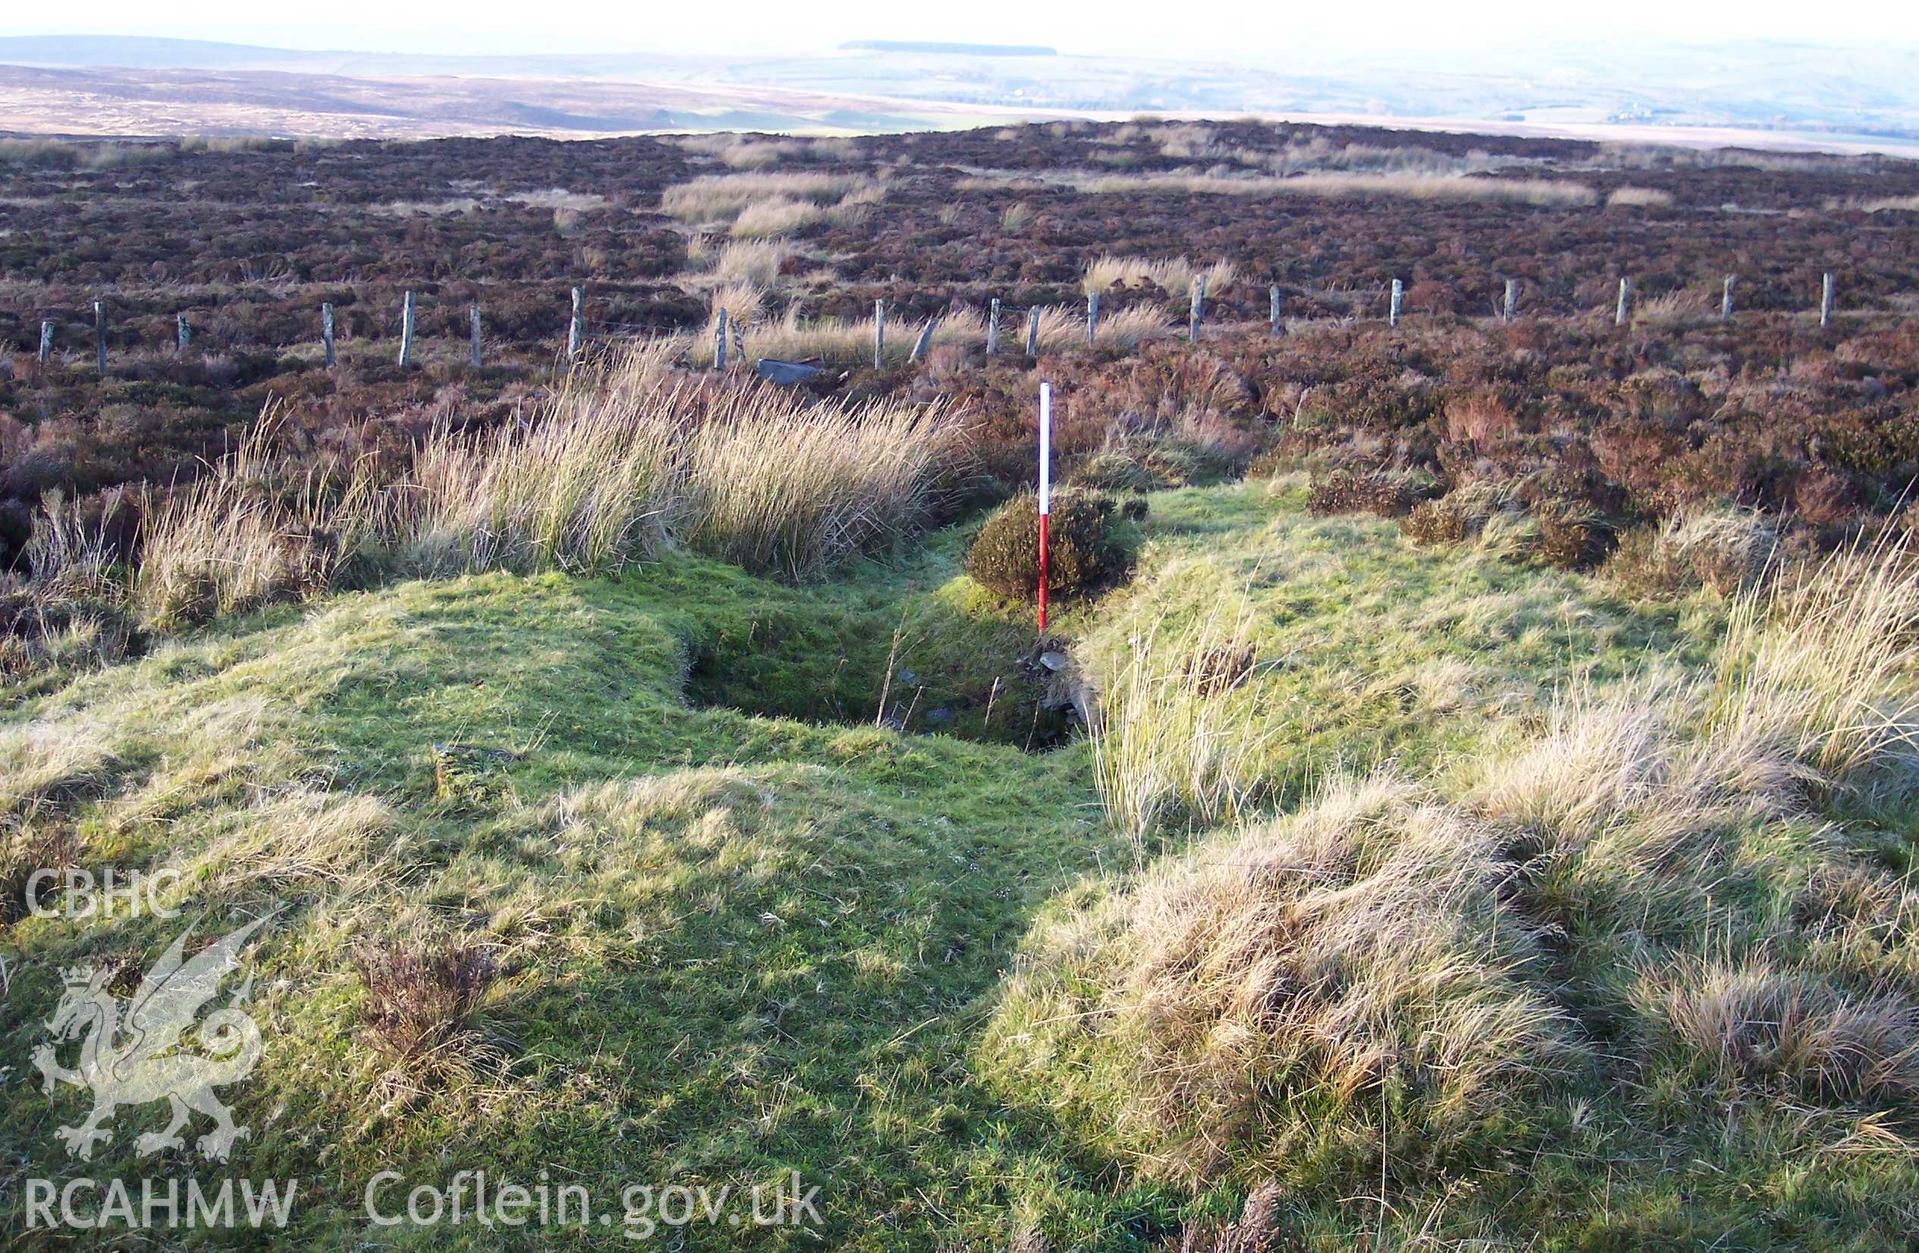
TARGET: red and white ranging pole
(1045,488)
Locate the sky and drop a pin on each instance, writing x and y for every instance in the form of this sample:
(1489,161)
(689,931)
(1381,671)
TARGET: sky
(1228,30)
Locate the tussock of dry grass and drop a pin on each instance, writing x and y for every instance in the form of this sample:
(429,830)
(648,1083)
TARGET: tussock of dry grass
(1759,1025)
(742,152)
(756,261)
(634,456)
(1824,666)
(763,205)
(51,763)
(588,490)
(1061,329)
(1175,276)
(559,198)
(1253,997)
(1882,204)
(1638,198)
(770,493)
(1673,307)
(219,544)
(1725,550)
(303,836)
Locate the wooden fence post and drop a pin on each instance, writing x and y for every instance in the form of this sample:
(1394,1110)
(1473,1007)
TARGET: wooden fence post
(739,339)
(1510,306)
(1624,309)
(1725,299)
(326,333)
(992,328)
(925,340)
(473,334)
(1196,313)
(1092,317)
(1392,308)
(1825,300)
(879,333)
(46,340)
(576,325)
(100,333)
(1032,332)
(1272,309)
(183,333)
(406,331)
(719,340)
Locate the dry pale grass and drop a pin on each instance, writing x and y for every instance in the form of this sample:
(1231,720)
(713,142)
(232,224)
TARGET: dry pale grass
(634,456)
(68,555)
(1823,666)
(1244,1009)
(792,337)
(795,497)
(559,198)
(52,763)
(1882,204)
(220,544)
(1061,329)
(743,302)
(425,208)
(742,152)
(629,456)
(757,261)
(1674,307)
(1726,550)
(769,203)
(303,836)
(1549,193)
(586,490)
(1174,276)
(1638,198)
(1250,1001)
(1758,1024)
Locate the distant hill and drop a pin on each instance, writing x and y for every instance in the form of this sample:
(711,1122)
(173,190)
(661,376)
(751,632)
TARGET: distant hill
(1790,92)
(964,50)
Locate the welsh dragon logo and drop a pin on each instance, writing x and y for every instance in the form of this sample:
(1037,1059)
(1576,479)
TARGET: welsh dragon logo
(130,1053)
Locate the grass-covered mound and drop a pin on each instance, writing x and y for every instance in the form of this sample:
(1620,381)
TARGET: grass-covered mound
(718,945)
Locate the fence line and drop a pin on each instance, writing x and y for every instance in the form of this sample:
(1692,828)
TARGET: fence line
(579,328)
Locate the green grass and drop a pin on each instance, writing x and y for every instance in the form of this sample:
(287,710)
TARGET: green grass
(744,930)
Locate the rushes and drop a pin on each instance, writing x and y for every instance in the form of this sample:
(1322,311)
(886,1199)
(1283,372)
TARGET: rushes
(633,457)
(797,497)
(629,457)
(226,543)
(586,491)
